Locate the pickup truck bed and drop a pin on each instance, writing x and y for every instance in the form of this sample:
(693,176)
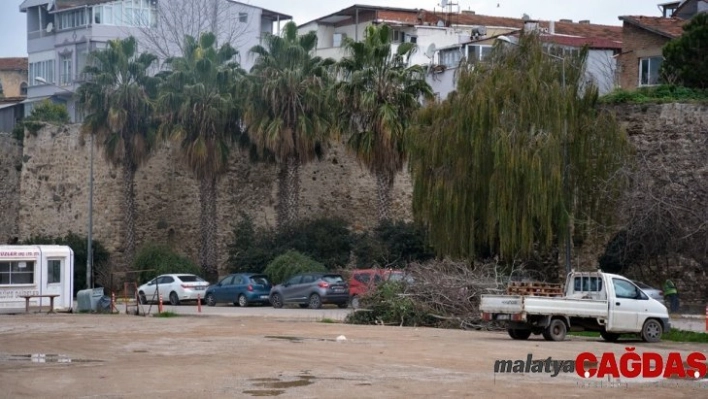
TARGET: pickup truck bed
(570,307)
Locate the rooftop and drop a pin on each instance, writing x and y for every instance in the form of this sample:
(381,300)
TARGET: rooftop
(13,64)
(668,27)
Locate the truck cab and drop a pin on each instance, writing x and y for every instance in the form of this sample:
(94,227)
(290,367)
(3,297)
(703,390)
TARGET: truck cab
(592,301)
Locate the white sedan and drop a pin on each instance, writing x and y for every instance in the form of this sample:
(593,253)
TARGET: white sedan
(174,288)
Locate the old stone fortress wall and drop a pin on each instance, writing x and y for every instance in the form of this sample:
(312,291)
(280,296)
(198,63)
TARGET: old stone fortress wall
(44,186)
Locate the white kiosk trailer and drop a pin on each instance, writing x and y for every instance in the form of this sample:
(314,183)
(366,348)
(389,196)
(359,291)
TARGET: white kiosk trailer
(36,270)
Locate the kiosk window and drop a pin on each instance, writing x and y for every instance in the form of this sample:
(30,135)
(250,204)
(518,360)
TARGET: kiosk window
(53,271)
(16,272)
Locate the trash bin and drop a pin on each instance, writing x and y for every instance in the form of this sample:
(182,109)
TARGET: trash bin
(87,300)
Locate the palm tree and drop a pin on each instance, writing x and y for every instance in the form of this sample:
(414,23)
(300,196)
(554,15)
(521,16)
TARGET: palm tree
(378,95)
(199,110)
(287,113)
(117,98)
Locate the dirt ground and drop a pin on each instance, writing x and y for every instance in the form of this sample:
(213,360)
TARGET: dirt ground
(121,356)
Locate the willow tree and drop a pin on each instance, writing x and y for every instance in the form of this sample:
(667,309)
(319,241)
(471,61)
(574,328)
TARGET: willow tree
(118,99)
(494,169)
(378,95)
(287,109)
(200,110)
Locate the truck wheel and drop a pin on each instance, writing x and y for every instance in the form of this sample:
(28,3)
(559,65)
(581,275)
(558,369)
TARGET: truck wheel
(555,331)
(609,337)
(651,332)
(519,334)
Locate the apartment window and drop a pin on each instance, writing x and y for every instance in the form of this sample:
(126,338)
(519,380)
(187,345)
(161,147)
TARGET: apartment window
(141,13)
(42,69)
(450,58)
(23,89)
(66,76)
(242,17)
(649,70)
(411,39)
(53,271)
(14,273)
(397,36)
(72,19)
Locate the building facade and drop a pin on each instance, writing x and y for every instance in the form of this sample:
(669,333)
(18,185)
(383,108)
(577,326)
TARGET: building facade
(62,33)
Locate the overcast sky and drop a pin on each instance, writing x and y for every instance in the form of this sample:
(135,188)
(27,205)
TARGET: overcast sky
(13,39)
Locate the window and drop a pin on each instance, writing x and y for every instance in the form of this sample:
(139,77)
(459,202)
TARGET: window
(53,271)
(625,289)
(649,70)
(72,19)
(227,280)
(23,89)
(333,279)
(259,280)
(588,284)
(411,39)
(42,69)
(191,279)
(307,279)
(66,77)
(362,277)
(165,280)
(242,17)
(141,13)
(19,272)
(294,280)
(450,58)
(1,92)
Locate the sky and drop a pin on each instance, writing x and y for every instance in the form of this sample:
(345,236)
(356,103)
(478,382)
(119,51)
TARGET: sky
(13,40)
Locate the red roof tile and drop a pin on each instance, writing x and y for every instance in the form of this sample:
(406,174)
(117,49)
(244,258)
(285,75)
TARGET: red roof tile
(669,27)
(13,64)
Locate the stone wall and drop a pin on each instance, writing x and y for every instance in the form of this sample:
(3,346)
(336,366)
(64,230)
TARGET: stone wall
(10,164)
(50,196)
(54,192)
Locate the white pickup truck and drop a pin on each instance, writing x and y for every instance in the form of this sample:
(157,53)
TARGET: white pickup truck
(593,301)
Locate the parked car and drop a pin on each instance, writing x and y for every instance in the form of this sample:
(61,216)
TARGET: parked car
(651,291)
(363,281)
(311,290)
(173,287)
(241,289)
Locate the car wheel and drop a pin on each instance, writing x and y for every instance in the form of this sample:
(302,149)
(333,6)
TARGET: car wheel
(315,301)
(174,299)
(143,299)
(555,331)
(609,337)
(355,302)
(519,334)
(651,332)
(276,300)
(343,305)
(242,301)
(210,300)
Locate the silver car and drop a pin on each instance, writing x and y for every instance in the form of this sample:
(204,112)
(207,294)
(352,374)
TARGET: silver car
(311,290)
(174,288)
(651,291)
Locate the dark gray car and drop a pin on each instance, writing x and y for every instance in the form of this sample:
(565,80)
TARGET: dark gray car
(311,290)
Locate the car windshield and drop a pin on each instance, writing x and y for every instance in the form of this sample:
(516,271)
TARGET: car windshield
(332,278)
(259,280)
(191,279)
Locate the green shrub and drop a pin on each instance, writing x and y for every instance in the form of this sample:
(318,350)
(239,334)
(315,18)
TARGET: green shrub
(656,94)
(393,244)
(46,111)
(155,259)
(328,241)
(79,245)
(289,264)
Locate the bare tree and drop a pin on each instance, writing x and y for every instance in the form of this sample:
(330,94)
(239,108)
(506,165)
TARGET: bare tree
(230,22)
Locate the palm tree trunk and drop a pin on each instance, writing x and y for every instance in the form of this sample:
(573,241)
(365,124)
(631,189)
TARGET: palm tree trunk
(207,227)
(288,192)
(129,211)
(384,187)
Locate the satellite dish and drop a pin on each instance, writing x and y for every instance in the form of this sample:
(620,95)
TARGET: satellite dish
(526,17)
(430,52)
(50,27)
(441,23)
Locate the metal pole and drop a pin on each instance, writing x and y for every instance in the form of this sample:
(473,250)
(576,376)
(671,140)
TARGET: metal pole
(89,251)
(566,165)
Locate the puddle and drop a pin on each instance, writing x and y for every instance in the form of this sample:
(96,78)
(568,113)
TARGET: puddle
(297,339)
(44,358)
(264,392)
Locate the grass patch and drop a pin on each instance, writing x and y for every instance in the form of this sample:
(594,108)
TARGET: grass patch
(327,320)
(656,95)
(673,336)
(167,313)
